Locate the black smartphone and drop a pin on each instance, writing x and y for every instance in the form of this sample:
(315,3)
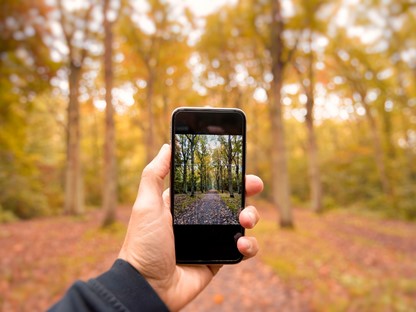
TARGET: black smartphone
(207,183)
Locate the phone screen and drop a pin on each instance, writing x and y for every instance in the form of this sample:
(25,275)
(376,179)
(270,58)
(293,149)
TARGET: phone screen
(207,183)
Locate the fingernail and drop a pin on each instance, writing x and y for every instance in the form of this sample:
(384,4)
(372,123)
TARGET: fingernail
(246,245)
(252,218)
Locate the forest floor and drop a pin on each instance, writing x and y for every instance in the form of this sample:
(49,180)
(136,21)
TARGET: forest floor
(339,261)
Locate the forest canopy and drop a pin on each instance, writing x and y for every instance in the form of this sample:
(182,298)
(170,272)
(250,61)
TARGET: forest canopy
(87,89)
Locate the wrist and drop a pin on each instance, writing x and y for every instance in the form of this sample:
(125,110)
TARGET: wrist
(131,288)
(159,286)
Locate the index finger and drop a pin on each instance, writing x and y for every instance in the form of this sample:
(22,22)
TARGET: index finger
(254,185)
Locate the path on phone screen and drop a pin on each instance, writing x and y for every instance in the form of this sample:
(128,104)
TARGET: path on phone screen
(208,209)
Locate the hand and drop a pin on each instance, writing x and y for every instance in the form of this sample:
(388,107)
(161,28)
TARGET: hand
(149,242)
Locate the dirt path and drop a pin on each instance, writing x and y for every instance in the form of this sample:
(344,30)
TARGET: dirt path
(247,286)
(209,209)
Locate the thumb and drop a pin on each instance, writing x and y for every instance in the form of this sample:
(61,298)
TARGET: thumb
(155,172)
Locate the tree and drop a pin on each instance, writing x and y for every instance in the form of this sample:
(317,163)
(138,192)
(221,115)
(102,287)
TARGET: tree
(217,163)
(280,174)
(248,39)
(157,53)
(222,51)
(192,139)
(77,53)
(231,149)
(110,170)
(184,156)
(306,73)
(355,75)
(26,70)
(229,152)
(202,154)
(237,146)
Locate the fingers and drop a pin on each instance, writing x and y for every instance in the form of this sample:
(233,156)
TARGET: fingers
(248,246)
(249,217)
(155,172)
(254,185)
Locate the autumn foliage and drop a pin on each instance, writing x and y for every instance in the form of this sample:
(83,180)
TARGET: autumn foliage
(329,91)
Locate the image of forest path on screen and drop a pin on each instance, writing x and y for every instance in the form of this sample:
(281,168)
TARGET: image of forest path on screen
(208,209)
(208,178)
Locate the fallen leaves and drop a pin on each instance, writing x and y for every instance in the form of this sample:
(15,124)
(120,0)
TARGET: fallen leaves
(41,258)
(356,263)
(334,262)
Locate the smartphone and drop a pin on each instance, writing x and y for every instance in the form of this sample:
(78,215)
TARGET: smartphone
(207,183)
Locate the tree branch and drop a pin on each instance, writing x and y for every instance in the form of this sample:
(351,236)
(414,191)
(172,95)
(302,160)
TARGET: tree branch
(87,31)
(63,22)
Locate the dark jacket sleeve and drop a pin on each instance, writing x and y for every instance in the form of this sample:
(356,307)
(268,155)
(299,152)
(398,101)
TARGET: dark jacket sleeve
(122,288)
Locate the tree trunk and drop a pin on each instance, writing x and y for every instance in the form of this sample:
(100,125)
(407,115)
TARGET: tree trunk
(73,186)
(237,173)
(150,146)
(185,156)
(280,174)
(410,156)
(192,165)
(313,164)
(229,167)
(110,170)
(378,150)
(314,172)
(185,177)
(201,178)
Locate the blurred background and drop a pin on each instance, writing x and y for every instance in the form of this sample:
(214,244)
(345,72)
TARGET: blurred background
(87,89)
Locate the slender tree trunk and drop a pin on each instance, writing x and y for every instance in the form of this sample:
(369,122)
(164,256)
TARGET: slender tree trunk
(192,166)
(185,176)
(314,171)
(73,187)
(313,158)
(150,131)
(221,183)
(388,134)
(255,134)
(378,150)
(229,167)
(185,153)
(280,174)
(410,156)
(110,170)
(201,178)
(237,173)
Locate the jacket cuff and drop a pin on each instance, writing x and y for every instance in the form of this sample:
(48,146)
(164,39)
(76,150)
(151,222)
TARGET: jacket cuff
(129,287)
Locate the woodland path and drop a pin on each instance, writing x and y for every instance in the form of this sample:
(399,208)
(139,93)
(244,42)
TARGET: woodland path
(248,286)
(209,209)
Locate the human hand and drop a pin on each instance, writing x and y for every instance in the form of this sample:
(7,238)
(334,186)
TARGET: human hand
(149,243)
